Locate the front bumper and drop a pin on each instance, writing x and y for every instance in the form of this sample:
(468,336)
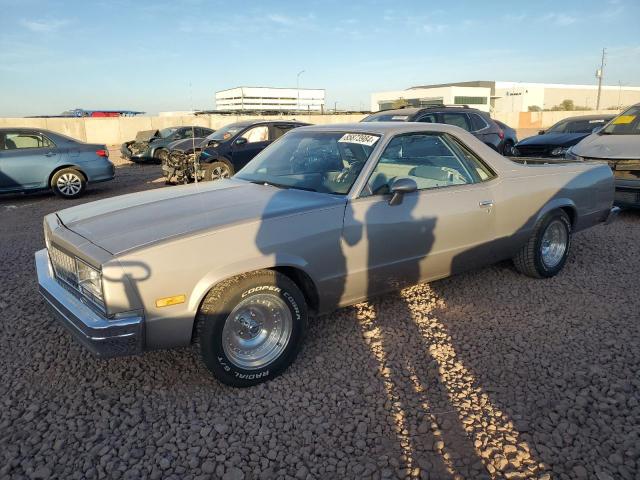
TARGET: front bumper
(101,336)
(627,193)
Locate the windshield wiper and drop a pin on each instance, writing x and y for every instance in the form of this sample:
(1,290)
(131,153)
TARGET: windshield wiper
(281,185)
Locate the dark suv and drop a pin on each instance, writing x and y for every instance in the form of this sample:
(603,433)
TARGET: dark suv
(227,150)
(472,120)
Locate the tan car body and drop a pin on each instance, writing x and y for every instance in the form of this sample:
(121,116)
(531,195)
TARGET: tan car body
(339,249)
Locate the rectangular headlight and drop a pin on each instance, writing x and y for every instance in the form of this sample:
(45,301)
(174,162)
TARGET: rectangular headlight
(90,281)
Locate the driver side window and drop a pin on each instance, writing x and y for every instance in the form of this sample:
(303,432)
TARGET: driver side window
(257,134)
(429,159)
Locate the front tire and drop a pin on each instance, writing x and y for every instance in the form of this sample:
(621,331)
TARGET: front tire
(251,327)
(161,155)
(546,251)
(217,171)
(68,183)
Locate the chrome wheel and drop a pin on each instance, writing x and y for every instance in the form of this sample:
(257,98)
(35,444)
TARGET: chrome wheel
(554,244)
(257,331)
(69,184)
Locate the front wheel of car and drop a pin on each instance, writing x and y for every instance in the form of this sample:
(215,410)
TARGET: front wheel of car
(161,155)
(216,171)
(546,251)
(251,327)
(68,183)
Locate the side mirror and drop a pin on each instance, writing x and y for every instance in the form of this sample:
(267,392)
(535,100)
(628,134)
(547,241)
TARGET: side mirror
(540,132)
(597,129)
(241,141)
(399,188)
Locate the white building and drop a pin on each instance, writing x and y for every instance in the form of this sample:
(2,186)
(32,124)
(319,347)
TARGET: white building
(503,97)
(271,99)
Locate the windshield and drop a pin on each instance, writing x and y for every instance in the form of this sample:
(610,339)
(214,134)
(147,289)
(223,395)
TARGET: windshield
(167,132)
(327,162)
(578,126)
(627,123)
(389,117)
(225,133)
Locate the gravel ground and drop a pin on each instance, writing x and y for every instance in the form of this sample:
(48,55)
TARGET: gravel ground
(486,375)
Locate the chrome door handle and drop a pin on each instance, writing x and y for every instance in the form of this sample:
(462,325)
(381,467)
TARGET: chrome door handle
(49,154)
(486,204)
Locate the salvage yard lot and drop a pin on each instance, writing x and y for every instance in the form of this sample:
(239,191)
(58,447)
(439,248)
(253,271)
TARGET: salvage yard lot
(489,374)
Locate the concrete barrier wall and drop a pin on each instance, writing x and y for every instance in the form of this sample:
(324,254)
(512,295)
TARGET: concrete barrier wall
(117,130)
(524,120)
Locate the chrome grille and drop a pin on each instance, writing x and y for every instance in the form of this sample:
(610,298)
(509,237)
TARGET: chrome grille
(64,266)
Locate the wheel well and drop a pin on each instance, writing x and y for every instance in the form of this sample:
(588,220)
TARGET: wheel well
(571,213)
(299,277)
(224,160)
(62,168)
(304,282)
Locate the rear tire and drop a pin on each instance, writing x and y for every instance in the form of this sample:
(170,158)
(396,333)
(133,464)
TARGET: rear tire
(546,251)
(251,327)
(217,171)
(507,149)
(68,183)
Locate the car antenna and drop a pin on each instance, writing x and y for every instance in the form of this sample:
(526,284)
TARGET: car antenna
(193,138)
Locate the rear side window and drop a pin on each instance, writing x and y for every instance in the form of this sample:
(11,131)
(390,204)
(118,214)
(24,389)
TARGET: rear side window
(483,172)
(428,118)
(477,122)
(24,140)
(458,119)
(281,129)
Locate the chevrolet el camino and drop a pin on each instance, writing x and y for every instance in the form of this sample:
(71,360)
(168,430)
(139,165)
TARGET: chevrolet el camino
(325,217)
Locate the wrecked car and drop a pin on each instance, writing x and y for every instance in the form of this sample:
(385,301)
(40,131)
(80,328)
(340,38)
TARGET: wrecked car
(153,145)
(617,144)
(556,140)
(325,217)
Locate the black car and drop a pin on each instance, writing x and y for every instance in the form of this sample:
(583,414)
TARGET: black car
(152,145)
(555,141)
(510,138)
(225,151)
(477,122)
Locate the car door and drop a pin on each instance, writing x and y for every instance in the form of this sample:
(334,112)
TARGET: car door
(26,160)
(444,227)
(248,144)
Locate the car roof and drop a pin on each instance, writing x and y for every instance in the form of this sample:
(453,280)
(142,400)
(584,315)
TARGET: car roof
(247,123)
(588,117)
(381,128)
(408,111)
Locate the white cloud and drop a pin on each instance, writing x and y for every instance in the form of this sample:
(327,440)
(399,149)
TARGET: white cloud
(44,25)
(560,19)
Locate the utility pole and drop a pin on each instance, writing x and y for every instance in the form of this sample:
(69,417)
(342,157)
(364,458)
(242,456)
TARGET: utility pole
(298,88)
(599,75)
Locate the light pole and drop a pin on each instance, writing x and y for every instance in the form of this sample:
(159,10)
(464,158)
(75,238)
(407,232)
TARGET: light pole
(298,88)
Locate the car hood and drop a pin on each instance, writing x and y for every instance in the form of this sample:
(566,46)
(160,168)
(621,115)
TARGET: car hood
(185,144)
(123,223)
(553,139)
(146,135)
(614,147)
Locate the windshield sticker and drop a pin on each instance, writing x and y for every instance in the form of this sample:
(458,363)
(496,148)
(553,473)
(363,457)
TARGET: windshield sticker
(400,117)
(624,119)
(596,121)
(359,138)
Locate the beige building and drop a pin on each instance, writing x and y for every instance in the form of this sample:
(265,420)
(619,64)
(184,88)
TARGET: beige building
(510,97)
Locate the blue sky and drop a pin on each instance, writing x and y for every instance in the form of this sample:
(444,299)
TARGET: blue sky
(169,55)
